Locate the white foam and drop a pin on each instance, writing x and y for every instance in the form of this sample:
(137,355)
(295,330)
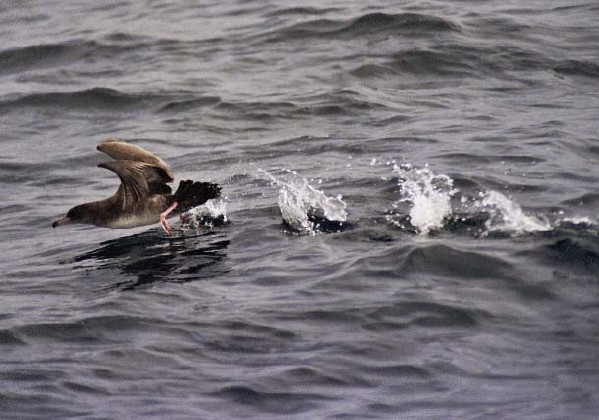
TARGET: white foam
(578,220)
(206,213)
(507,215)
(427,198)
(428,194)
(298,199)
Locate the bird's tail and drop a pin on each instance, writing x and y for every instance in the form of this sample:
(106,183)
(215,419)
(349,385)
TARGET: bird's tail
(191,194)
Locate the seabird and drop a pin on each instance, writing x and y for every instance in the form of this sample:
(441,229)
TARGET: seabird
(143,198)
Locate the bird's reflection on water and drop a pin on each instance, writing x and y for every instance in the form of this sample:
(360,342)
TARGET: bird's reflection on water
(152,257)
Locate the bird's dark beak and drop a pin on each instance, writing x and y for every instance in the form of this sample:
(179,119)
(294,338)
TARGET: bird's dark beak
(61,222)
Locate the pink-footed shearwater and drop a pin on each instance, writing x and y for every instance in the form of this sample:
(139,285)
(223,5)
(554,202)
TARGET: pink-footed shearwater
(143,198)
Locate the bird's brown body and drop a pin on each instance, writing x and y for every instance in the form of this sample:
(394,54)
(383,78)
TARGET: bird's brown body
(143,198)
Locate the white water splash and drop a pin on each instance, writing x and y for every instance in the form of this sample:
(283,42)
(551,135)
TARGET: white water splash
(206,214)
(298,200)
(428,195)
(578,220)
(427,198)
(507,215)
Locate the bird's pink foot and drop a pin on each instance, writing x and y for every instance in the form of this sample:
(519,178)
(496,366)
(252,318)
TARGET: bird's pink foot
(166,226)
(163,219)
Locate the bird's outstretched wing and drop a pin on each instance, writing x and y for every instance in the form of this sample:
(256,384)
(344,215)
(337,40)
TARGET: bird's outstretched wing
(119,150)
(142,173)
(133,191)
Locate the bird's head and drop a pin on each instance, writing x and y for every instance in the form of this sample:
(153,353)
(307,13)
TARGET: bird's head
(78,214)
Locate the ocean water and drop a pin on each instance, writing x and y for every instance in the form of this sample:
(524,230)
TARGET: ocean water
(409,224)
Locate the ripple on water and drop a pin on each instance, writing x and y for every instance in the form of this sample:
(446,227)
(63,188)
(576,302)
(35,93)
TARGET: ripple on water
(282,403)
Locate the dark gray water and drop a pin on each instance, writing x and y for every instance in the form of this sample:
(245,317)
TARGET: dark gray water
(409,227)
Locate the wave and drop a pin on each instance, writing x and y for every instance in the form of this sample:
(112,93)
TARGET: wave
(456,60)
(338,102)
(364,25)
(577,68)
(306,11)
(256,111)
(9,338)
(94,98)
(578,254)
(571,248)
(423,315)
(377,22)
(189,104)
(18,60)
(270,402)
(461,60)
(435,259)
